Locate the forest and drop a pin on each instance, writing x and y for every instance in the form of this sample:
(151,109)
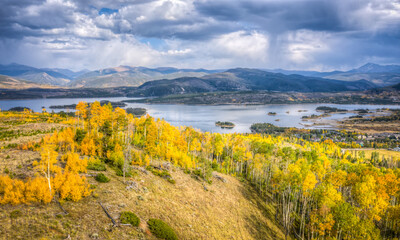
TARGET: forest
(318,190)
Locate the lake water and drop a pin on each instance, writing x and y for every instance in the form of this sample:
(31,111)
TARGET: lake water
(204,117)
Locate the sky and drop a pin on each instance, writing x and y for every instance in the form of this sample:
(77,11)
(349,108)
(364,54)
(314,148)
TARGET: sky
(215,34)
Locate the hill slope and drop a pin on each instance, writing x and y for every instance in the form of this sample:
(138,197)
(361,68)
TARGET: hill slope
(376,68)
(380,79)
(132,76)
(7,82)
(381,75)
(36,75)
(131,79)
(241,79)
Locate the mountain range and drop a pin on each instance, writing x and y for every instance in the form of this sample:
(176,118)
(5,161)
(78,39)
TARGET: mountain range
(108,77)
(7,82)
(244,79)
(381,75)
(166,80)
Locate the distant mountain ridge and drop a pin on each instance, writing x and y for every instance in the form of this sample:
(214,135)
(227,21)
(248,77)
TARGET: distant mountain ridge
(133,76)
(7,82)
(379,75)
(376,68)
(244,79)
(108,77)
(56,77)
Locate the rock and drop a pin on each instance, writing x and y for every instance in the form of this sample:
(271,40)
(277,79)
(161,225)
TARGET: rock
(122,205)
(132,185)
(94,236)
(140,169)
(166,165)
(214,174)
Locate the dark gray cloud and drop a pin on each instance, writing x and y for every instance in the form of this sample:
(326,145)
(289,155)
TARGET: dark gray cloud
(308,34)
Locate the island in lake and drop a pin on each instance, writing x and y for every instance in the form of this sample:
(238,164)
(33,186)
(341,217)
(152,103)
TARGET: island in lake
(225,124)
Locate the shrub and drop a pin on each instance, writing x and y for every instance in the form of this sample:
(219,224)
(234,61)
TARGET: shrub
(79,135)
(96,164)
(120,173)
(215,166)
(15,214)
(130,218)
(161,230)
(161,173)
(102,178)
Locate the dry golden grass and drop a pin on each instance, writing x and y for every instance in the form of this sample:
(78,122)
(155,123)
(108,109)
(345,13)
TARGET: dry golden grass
(375,127)
(230,210)
(382,153)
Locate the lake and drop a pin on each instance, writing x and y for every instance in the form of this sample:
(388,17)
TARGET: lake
(204,117)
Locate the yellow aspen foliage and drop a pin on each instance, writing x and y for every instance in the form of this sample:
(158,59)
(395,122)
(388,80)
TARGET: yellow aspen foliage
(372,204)
(11,191)
(328,195)
(81,110)
(88,146)
(71,186)
(146,160)
(136,158)
(74,163)
(322,221)
(309,182)
(37,190)
(47,164)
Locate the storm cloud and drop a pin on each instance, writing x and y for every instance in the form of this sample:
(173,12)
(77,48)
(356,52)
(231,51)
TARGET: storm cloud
(295,34)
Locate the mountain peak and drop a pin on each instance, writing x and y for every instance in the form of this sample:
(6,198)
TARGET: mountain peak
(376,68)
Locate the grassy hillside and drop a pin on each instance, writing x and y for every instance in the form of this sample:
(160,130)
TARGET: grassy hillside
(230,210)
(127,78)
(380,79)
(7,82)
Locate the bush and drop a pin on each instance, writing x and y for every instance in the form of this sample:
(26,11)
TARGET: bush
(96,164)
(79,135)
(215,166)
(120,173)
(161,173)
(15,214)
(161,230)
(102,178)
(129,218)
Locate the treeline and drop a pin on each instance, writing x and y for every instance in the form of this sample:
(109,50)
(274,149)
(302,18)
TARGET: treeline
(318,191)
(343,138)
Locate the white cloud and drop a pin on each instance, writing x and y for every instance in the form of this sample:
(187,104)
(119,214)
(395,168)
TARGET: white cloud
(302,45)
(252,46)
(302,34)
